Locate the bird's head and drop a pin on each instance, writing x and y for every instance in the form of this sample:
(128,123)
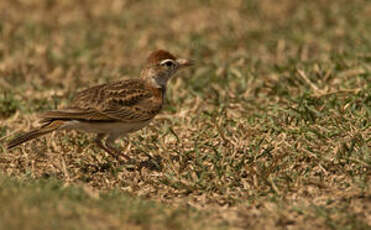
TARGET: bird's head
(161,65)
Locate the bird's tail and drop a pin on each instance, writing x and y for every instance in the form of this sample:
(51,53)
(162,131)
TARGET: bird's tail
(47,128)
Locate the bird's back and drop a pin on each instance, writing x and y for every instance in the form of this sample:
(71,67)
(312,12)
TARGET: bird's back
(131,100)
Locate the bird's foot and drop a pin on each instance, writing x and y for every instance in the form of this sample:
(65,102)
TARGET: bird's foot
(115,153)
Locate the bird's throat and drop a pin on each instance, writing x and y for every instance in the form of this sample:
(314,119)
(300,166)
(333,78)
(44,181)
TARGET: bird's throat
(159,86)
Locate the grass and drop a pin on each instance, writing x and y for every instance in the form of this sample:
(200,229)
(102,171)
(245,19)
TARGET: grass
(271,129)
(50,204)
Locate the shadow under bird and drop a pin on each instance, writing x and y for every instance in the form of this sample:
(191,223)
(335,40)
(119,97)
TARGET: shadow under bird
(114,109)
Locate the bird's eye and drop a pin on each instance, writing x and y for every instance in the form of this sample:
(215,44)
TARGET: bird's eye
(168,63)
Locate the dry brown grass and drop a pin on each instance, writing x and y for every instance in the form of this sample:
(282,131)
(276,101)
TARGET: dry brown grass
(270,130)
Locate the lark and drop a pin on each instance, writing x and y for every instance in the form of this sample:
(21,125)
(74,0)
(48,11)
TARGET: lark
(116,109)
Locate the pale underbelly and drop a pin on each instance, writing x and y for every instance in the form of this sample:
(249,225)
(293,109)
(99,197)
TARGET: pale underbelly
(105,127)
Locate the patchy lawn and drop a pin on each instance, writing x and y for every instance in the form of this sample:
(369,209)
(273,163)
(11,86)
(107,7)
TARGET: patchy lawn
(270,130)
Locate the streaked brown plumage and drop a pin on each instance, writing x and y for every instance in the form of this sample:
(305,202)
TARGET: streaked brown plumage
(114,109)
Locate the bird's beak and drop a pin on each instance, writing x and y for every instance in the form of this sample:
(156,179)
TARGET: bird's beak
(184,62)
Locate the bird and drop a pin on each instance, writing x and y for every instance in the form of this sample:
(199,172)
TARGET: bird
(113,110)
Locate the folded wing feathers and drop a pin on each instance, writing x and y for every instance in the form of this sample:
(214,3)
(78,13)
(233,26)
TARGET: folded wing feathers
(125,101)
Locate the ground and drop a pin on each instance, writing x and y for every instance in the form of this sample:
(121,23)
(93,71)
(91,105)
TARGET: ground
(269,130)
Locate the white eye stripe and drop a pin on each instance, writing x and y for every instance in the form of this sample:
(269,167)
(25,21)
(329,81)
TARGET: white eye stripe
(167,62)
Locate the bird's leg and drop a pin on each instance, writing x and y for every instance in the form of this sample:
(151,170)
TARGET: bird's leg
(109,144)
(98,142)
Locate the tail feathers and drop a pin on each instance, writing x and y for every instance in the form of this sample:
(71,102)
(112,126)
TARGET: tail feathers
(25,137)
(47,128)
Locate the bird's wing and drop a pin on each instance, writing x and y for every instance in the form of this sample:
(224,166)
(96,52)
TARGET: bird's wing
(124,101)
(74,114)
